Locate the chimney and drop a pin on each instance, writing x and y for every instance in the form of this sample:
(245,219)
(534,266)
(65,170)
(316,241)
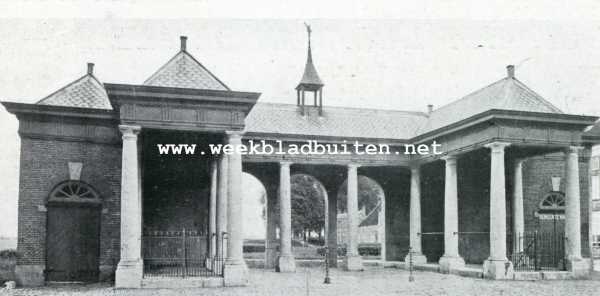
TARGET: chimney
(429,108)
(90,68)
(510,71)
(183,42)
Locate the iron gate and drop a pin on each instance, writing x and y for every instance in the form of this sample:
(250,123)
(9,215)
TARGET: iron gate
(540,251)
(180,254)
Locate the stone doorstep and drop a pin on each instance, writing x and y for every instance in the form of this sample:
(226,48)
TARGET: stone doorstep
(527,276)
(557,275)
(174,282)
(470,272)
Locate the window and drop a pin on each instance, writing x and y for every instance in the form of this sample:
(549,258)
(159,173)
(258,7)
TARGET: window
(74,191)
(553,201)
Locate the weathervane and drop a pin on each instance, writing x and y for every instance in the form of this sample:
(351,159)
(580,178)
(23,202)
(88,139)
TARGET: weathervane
(308,30)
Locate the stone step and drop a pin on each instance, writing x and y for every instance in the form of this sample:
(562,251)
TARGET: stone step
(174,282)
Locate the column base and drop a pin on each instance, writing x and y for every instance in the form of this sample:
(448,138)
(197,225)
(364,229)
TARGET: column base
(417,258)
(30,275)
(129,274)
(286,263)
(449,264)
(498,269)
(579,267)
(209,262)
(353,263)
(270,258)
(235,274)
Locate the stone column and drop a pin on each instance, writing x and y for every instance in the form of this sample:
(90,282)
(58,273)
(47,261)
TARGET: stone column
(285,262)
(223,171)
(353,259)
(381,230)
(271,235)
(497,266)
(575,263)
(451,260)
(518,214)
(130,268)
(415,218)
(332,228)
(235,271)
(212,211)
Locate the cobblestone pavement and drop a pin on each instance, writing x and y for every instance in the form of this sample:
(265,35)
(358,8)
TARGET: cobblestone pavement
(369,282)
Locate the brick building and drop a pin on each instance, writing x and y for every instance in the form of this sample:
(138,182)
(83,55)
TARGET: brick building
(97,200)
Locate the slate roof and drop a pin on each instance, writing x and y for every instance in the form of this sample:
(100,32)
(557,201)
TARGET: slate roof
(85,92)
(507,94)
(184,71)
(336,121)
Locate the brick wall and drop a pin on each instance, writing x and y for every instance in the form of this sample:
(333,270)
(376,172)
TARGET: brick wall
(537,173)
(44,164)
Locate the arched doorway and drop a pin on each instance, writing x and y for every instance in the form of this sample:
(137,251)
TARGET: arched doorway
(73,233)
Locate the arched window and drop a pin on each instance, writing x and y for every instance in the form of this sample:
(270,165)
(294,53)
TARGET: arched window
(74,191)
(553,201)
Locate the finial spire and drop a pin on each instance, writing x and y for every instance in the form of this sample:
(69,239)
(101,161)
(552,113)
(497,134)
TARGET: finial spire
(310,80)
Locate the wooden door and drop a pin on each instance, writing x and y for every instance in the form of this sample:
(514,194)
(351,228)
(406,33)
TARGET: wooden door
(72,242)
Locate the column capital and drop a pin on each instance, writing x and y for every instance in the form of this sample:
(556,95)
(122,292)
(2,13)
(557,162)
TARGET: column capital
(129,130)
(234,134)
(497,146)
(415,169)
(449,158)
(519,161)
(353,166)
(574,149)
(285,163)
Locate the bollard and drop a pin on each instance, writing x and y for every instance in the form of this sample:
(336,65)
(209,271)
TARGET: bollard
(327,279)
(411,278)
(10,285)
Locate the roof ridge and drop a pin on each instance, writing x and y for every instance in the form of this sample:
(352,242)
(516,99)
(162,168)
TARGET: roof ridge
(62,88)
(206,69)
(350,108)
(471,94)
(184,53)
(519,83)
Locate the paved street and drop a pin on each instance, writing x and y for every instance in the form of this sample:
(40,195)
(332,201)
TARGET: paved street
(370,282)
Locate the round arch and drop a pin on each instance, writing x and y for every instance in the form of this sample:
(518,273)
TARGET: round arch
(73,232)
(371,206)
(255,207)
(308,186)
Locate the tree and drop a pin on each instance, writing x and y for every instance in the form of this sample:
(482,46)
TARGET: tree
(369,194)
(308,204)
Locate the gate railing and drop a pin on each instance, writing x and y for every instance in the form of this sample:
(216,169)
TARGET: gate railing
(180,254)
(534,251)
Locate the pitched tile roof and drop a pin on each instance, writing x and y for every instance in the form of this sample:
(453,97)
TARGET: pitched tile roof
(184,71)
(506,94)
(85,92)
(336,121)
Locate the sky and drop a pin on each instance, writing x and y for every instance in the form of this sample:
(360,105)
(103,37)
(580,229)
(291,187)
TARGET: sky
(369,54)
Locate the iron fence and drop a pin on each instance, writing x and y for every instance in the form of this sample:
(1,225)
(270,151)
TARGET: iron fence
(180,254)
(535,251)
